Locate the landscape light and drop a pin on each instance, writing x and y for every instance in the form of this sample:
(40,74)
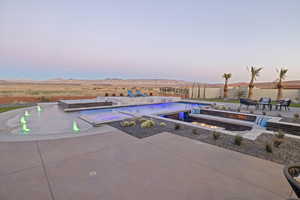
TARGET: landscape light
(23,120)
(75,127)
(39,109)
(27,114)
(25,129)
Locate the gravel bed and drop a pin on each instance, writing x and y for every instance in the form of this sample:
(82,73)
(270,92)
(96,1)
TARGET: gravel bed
(287,153)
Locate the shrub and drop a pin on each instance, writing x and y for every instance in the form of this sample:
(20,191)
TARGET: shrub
(216,135)
(296,116)
(125,124)
(269,148)
(280,134)
(163,124)
(132,123)
(238,140)
(141,120)
(195,131)
(277,143)
(177,126)
(144,125)
(44,99)
(147,124)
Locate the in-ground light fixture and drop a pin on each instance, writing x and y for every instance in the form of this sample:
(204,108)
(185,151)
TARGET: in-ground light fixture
(39,109)
(23,120)
(26,113)
(25,129)
(75,127)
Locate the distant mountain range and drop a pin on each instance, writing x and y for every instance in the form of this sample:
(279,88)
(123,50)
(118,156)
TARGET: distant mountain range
(295,84)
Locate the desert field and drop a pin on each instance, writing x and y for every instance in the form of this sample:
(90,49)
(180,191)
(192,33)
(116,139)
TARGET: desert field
(23,92)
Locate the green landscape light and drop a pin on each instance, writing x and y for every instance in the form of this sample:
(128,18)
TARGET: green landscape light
(39,109)
(25,129)
(23,120)
(75,127)
(27,114)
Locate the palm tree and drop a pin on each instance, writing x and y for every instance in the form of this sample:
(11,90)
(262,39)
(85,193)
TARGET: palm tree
(282,75)
(226,77)
(254,74)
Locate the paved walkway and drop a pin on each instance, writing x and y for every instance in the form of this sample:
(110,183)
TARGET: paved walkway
(117,166)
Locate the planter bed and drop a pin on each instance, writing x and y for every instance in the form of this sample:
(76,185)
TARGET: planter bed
(287,153)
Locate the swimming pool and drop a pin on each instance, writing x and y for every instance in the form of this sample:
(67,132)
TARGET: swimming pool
(99,116)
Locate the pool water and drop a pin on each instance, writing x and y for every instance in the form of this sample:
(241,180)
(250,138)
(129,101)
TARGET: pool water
(119,113)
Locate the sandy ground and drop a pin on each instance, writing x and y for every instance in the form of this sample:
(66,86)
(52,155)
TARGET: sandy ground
(32,92)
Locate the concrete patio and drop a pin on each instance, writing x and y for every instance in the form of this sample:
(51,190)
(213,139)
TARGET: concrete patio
(114,165)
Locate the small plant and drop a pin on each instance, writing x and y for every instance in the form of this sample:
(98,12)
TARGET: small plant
(277,143)
(144,125)
(141,120)
(163,124)
(238,140)
(44,99)
(195,132)
(296,116)
(280,134)
(177,126)
(216,135)
(147,124)
(125,124)
(132,123)
(269,148)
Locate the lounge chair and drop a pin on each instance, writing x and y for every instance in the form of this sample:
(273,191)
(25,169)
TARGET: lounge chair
(283,103)
(248,102)
(139,93)
(265,101)
(130,94)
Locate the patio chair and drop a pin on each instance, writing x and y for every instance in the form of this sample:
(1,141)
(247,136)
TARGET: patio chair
(265,101)
(130,94)
(284,103)
(248,102)
(291,172)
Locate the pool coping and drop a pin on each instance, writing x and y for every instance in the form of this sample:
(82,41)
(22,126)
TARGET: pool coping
(133,104)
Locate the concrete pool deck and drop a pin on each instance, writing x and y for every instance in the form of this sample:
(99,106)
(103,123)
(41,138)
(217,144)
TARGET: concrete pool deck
(115,165)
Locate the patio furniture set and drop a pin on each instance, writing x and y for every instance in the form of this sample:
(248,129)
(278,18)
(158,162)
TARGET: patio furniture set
(266,103)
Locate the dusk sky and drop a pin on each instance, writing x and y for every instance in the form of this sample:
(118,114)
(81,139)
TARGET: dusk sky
(186,40)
